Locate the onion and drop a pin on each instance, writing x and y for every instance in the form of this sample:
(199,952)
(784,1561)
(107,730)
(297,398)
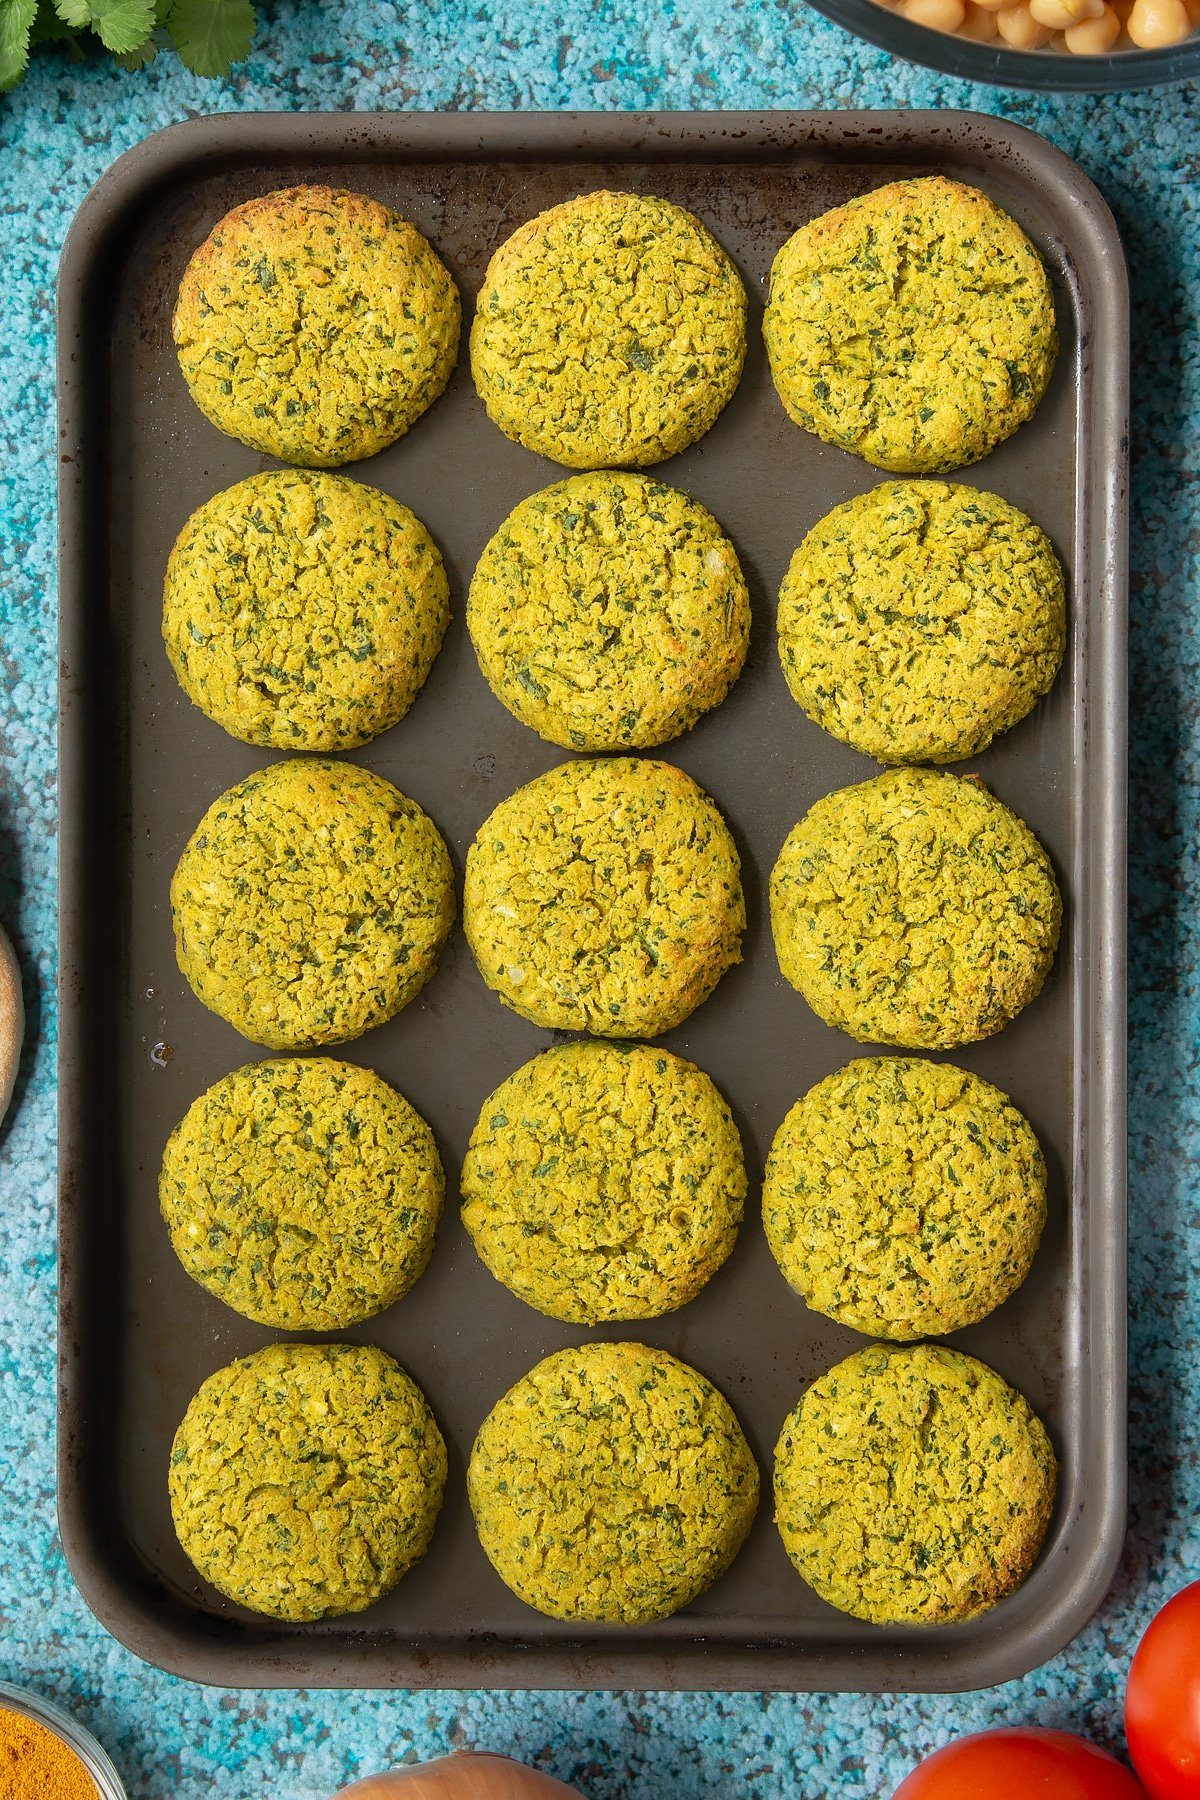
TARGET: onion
(469,1775)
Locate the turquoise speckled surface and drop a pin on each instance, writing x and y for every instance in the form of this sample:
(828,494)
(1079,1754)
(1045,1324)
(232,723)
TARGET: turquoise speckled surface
(57,134)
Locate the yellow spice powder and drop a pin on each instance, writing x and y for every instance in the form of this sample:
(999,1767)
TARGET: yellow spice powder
(37,1765)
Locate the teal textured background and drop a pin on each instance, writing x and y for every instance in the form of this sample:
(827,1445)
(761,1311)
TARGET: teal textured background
(57,134)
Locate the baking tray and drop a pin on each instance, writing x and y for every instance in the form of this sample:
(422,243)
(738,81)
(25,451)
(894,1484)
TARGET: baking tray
(139,766)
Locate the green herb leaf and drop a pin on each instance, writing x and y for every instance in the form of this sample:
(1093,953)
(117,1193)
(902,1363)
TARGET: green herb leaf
(122,25)
(16,22)
(211,35)
(75,13)
(139,58)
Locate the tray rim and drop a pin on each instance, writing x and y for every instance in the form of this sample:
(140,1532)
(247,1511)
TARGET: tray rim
(202,144)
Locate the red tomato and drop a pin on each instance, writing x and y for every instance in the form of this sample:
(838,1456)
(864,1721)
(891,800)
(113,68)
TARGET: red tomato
(1020,1764)
(1162,1701)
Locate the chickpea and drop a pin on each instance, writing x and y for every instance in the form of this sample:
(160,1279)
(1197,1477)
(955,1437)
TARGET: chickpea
(1093,37)
(1156,23)
(979,24)
(1081,27)
(939,15)
(1060,15)
(1019,29)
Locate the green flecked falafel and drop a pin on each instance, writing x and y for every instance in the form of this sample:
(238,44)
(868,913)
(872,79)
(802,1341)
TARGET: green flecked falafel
(904,1198)
(315,325)
(612,1484)
(913,1486)
(919,620)
(914,326)
(605,896)
(305,1480)
(310,903)
(609,330)
(303,611)
(303,1192)
(604,1182)
(915,909)
(609,612)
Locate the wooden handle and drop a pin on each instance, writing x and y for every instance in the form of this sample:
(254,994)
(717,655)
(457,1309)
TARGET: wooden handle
(12,1020)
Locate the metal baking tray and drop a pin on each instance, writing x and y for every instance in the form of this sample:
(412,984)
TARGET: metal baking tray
(140,765)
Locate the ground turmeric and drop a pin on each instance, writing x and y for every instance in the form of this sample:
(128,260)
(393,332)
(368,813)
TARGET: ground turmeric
(36,1765)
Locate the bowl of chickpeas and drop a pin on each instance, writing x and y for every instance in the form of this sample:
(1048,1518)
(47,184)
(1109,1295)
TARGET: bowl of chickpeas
(1095,46)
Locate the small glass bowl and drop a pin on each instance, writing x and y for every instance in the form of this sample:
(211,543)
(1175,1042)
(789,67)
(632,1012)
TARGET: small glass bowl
(68,1730)
(1051,71)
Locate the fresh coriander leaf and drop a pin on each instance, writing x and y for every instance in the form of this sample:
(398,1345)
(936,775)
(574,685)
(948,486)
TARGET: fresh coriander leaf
(211,35)
(122,25)
(140,58)
(75,13)
(16,22)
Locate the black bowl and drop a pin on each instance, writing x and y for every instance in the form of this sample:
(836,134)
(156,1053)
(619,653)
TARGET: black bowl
(1055,71)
